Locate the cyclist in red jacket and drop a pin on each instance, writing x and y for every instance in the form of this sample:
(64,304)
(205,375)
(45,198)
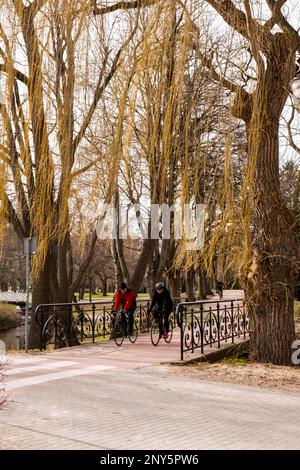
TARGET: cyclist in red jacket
(126,298)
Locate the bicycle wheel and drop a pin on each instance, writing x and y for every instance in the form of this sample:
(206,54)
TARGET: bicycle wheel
(133,336)
(155,333)
(118,332)
(169,338)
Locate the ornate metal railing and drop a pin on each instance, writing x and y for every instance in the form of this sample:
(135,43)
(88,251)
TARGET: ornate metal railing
(209,322)
(75,323)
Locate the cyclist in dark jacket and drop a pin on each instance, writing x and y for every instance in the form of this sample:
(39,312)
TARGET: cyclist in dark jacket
(163,305)
(219,288)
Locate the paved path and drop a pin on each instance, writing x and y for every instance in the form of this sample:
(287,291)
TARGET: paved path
(105,397)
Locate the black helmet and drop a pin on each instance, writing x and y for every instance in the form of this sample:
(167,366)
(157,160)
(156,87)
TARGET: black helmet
(159,285)
(123,285)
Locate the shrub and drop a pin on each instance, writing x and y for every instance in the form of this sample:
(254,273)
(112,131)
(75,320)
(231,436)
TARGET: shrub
(9,317)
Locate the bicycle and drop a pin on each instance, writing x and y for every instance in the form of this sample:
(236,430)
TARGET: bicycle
(120,328)
(155,329)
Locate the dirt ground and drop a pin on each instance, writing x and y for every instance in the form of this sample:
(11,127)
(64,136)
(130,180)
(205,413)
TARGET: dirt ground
(258,375)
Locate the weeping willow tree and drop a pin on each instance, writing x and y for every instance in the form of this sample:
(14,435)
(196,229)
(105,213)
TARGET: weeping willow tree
(158,89)
(40,155)
(150,141)
(266,250)
(54,88)
(256,232)
(261,230)
(170,106)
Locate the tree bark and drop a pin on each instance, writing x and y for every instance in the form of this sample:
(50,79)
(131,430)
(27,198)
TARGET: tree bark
(41,294)
(275,253)
(270,284)
(104,285)
(141,267)
(175,284)
(118,269)
(190,285)
(82,288)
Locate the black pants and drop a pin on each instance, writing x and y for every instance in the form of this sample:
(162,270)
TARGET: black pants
(163,320)
(130,314)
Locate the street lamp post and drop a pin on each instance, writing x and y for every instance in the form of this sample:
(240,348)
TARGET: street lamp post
(29,245)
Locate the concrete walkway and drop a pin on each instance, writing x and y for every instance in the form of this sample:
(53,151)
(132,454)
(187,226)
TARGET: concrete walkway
(106,397)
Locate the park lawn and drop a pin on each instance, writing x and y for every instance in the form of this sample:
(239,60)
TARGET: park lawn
(107,297)
(96,296)
(240,371)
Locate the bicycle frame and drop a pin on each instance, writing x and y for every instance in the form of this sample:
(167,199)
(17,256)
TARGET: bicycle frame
(121,318)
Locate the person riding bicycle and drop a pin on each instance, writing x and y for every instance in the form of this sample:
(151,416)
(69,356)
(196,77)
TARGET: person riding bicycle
(126,299)
(163,305)
(219,288)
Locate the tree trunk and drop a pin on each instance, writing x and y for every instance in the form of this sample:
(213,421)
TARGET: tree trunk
(82,288)
(104,286)
(153,276)
(201,286)
(41,294)
(271,278)
(190,285)
(151,280)
(118,270)
(174,284)
(270,284)
(142,264)
(46,291)
(207,283)
(62,274)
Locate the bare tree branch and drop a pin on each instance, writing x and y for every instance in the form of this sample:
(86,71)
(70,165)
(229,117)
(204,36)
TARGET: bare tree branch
(290,134)
(12,216)
(237,20)
(252,26)
(214,75)
(85,264)
(101,88)
(232,15)
(275,10)
(207,62)
(275,7)
(121,6)
(36,6)
(7,58)
(86,167)
(16,169)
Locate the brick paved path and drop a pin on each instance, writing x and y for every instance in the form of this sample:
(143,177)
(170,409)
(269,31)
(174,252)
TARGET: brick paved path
(105,397)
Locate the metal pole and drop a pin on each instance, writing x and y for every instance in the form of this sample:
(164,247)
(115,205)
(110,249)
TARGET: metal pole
(27,300)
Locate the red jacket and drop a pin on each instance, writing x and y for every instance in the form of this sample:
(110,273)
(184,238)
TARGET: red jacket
(126,300)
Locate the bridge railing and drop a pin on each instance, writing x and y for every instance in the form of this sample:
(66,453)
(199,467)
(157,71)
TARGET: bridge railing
(210,322)
(11,296)
(75,323)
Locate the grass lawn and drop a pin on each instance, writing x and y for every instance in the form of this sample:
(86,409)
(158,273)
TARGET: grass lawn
(108,297)
(96,296)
